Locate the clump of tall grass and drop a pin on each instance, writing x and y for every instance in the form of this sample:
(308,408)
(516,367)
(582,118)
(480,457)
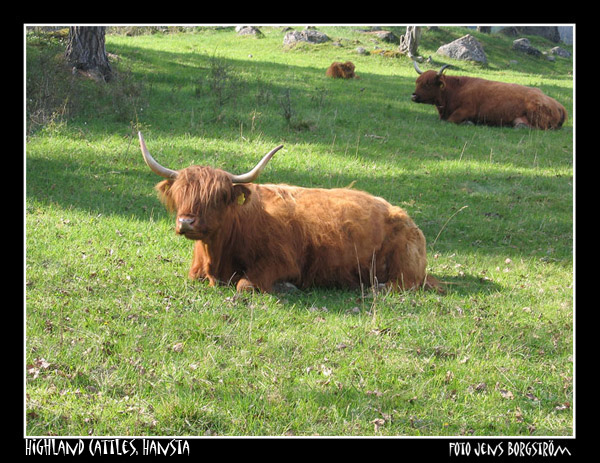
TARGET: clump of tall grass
(56,93)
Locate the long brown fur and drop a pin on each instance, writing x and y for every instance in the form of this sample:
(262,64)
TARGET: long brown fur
(341,70)
(257,235)
(480,101)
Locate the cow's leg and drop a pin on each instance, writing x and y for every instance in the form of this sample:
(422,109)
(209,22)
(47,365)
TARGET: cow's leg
(204,268)
(198,269)
(198,272)
(244,285)
(264,273)
(459,116)
(256,279)
(260,284)
(521,122)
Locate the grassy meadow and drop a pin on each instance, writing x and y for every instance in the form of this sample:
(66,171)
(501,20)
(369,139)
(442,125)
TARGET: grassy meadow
(120,342)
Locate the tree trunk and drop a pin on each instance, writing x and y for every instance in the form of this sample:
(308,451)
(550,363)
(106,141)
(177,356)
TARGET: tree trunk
(409,42)
(86,51)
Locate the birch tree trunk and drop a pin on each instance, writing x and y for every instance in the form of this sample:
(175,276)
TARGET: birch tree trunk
(86,51)
(409,42)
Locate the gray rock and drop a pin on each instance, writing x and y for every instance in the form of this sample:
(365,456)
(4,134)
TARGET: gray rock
(465,48)
(248,30)
(307,35)
(560,52)
(384,36)
(524,45)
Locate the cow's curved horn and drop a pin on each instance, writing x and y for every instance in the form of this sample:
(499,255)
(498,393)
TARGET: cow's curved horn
(439,73)
(253,174)
(155,166)
(417,67)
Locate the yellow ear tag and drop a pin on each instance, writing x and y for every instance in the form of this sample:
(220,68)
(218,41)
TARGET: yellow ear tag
(241,199)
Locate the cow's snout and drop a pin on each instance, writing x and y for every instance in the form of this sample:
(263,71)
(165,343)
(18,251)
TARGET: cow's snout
(192,227)
(185,224)
(415,97)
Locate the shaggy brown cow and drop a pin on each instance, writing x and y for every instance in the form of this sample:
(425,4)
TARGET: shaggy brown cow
(480,101)
(257,235)
(341,70)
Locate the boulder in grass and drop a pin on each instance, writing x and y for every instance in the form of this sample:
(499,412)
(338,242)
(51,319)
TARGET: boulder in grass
(465,48)
(384,36)
(307,35)
(248,30)
(560,52)
(524,45)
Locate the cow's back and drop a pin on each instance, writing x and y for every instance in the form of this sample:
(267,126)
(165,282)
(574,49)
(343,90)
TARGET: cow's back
(502,103)
(341,236)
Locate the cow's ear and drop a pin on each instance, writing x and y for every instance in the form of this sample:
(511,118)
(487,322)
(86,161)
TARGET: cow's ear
(241,194)
(164,190)
(441,82)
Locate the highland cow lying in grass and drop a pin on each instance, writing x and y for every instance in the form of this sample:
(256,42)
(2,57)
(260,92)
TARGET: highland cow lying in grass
(462,99)
(257,235)
(341,70)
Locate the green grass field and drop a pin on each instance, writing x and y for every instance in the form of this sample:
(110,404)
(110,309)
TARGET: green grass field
(120,342)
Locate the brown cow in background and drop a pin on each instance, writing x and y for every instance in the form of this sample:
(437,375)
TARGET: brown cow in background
(257,235)
(461,99)
(341,70)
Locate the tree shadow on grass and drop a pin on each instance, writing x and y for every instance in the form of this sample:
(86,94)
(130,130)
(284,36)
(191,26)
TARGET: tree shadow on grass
(495,196)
